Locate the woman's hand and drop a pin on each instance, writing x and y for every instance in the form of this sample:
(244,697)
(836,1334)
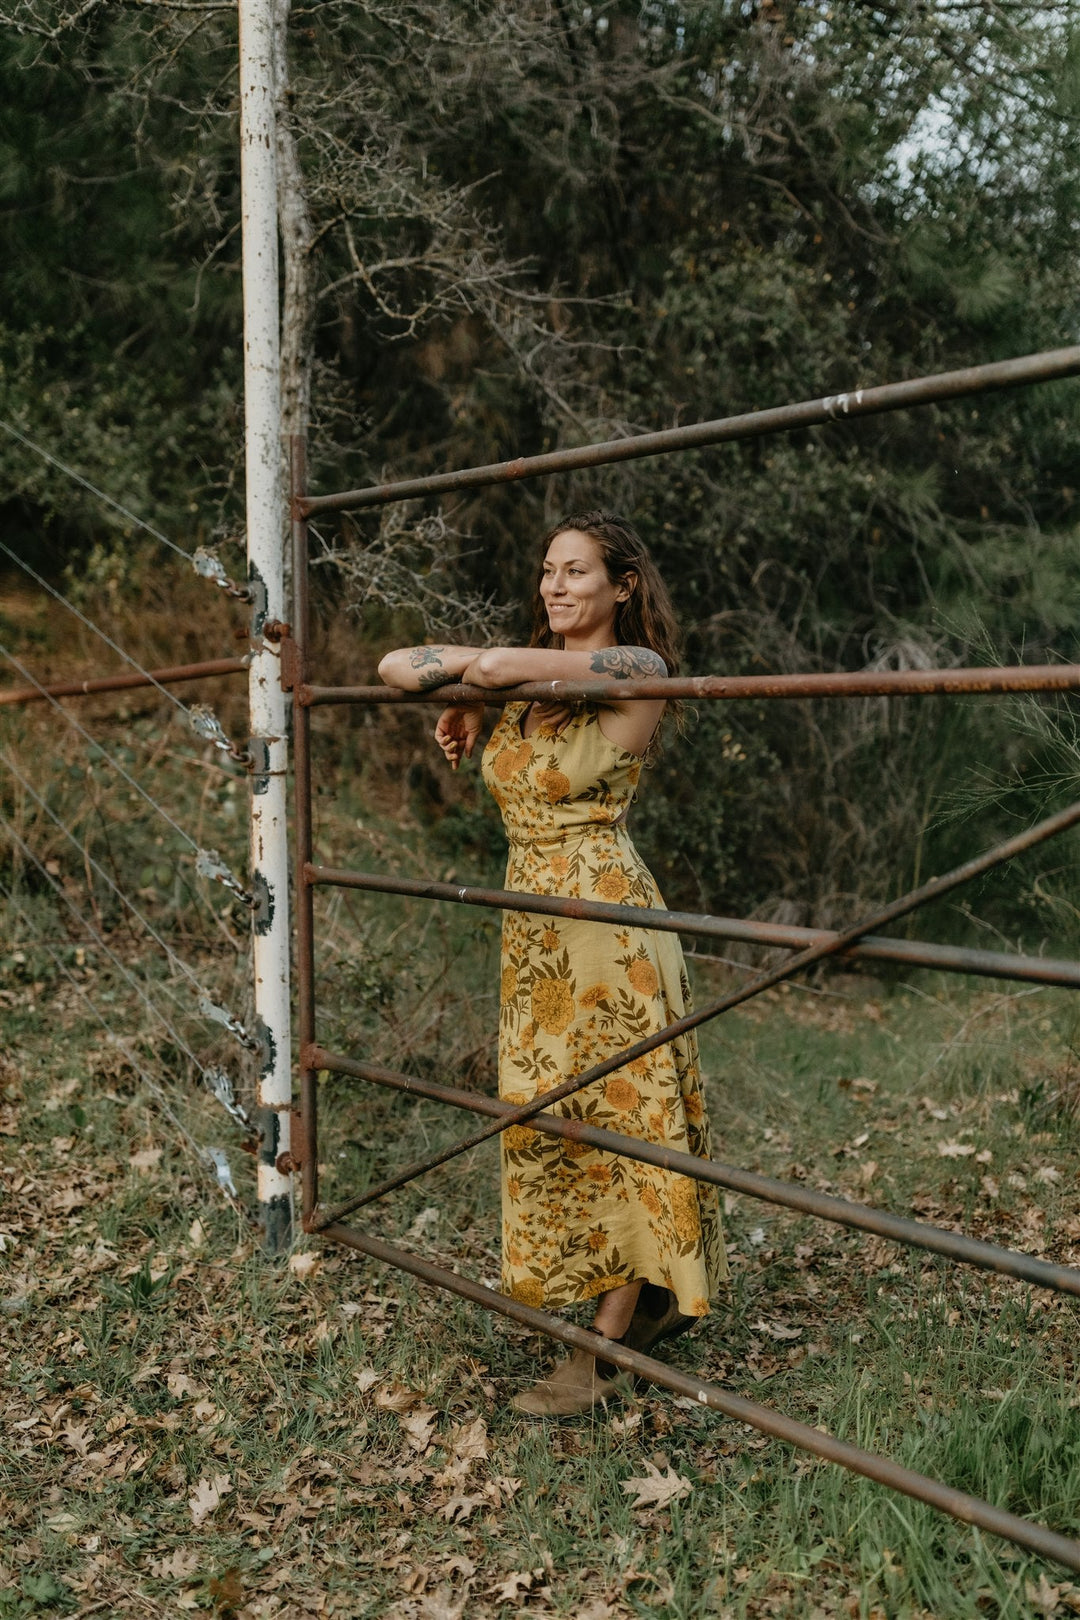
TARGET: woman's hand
(554,715)
(456,732)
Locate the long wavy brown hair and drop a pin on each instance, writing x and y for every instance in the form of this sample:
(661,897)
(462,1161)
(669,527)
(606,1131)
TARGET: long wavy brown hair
(646,618)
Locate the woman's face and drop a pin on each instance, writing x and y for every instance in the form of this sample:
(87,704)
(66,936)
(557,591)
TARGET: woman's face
(579,597)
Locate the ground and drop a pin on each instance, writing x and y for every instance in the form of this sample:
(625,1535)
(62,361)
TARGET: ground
(193,1428)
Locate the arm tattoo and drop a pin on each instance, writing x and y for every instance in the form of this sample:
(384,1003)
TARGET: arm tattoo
(420,657)
(627,663)
(428,661)
(431,678)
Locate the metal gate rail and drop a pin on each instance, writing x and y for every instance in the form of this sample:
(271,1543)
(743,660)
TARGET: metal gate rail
(911,952)
(958,1504)
(829,946)
(810,945)
(788,1194)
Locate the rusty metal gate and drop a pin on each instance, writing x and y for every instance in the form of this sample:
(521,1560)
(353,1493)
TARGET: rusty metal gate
(860,940)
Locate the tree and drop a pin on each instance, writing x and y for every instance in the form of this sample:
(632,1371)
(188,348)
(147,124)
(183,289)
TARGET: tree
(514,226)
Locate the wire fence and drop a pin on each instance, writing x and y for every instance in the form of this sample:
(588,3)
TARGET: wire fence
(111,820)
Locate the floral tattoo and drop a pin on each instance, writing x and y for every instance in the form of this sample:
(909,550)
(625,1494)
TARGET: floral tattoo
(429,661)
(627,663)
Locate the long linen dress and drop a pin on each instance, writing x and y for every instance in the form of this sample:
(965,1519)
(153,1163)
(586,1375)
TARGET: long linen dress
(577,1221)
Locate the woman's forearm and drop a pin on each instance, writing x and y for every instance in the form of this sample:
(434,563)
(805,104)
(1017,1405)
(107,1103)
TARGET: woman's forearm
(418,669)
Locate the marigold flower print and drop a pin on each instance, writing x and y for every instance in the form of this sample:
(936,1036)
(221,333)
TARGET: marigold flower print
(512,760)
(504,765)
(650,1198)
(684,1209)
(552,1005)
(602,1285)
(554,785)
(622,1095)
(577,1221)
(643,977)
(518,1138)
(612,886)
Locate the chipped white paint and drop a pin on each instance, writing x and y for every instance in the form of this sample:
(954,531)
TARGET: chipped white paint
(265,541)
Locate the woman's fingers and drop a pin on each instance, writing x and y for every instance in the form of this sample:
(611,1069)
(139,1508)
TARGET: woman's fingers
(456,731)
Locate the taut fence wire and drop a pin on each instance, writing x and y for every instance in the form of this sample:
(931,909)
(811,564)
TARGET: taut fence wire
(181,1002)
(153,1085)
(810,946)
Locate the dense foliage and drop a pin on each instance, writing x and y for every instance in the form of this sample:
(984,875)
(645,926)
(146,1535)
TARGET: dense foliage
(540,223)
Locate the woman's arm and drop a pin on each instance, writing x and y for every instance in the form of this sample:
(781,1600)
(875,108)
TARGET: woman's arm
(628,725)
(418,669)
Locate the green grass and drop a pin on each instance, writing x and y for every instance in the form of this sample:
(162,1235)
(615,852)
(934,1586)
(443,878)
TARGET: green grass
(355,1425)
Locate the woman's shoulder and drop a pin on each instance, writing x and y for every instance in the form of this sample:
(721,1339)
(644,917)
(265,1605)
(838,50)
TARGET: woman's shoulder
(629,663)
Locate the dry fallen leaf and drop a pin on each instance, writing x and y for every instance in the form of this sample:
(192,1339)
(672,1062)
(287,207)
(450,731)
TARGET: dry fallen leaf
(64,1522)
(78,1437)
(469,1441)
(366,1379)
(207,1497)
(305,1263)
(657,1489)
(179,1386)
(1043,1597)
(146,1159)
(777,1330)
(418,1426)
(397,1399)
(178,1566)
(955,1150)
(523,1580)
(460,1508)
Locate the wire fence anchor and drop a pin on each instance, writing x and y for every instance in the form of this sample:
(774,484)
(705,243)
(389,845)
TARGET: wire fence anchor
(209,864)
(219,1084)
(221,1015)
(208,565)
(205,724)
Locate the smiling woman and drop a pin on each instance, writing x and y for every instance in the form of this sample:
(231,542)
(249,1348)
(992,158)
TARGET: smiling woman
(579,1224)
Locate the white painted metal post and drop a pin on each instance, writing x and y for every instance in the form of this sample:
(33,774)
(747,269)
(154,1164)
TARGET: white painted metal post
(265,544)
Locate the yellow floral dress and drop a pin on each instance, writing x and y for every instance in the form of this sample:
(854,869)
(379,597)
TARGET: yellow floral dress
(577,1221)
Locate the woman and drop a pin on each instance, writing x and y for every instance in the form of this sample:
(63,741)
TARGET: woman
(579,1224)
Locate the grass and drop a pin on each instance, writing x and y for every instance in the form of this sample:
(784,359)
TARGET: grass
(194,1429)
(191,1428)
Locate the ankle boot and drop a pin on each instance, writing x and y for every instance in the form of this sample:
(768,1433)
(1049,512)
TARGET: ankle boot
(576,1384)
(656,1317)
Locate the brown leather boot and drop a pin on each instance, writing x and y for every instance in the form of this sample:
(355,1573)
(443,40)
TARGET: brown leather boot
(656,1317)
(575,1385)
